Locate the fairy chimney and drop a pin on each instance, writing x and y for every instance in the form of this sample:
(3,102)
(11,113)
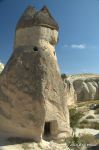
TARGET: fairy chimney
(32,95)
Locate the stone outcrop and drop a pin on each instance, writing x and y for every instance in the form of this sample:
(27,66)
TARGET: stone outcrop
(32,103)
(12,144)
(1,66)
(82,87)
(70,91)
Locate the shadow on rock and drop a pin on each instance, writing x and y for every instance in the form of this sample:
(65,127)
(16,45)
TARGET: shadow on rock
(13,141)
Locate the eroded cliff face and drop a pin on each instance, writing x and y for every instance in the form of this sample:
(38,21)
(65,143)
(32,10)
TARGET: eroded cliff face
(82,87)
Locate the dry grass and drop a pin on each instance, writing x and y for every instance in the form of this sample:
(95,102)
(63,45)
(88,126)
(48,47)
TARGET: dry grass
(89,139)
(87,124)
(90,117)
(75,116)
(87,103)
(25,146)
(96,111)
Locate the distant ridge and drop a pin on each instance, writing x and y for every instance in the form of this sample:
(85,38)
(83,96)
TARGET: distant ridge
(84,75)
(81,87)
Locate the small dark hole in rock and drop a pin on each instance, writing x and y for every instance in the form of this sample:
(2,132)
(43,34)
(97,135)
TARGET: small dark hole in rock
(35,49)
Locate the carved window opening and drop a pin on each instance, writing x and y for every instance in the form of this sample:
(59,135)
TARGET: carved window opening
(54,52)
(35,49)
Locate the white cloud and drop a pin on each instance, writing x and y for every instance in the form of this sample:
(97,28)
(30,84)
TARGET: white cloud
(79,46)
(76,46)
(66,45)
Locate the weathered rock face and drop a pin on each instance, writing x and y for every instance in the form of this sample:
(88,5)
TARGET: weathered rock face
(32,103)
(70,92)
(83,87)
(1,66)
(87,89)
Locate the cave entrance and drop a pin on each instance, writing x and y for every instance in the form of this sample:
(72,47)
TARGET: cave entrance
(50,130)
(47,131)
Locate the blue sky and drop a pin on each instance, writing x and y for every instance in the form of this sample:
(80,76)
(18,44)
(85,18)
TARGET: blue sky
(78,47)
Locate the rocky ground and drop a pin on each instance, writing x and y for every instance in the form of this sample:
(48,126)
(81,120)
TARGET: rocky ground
(86,131)
(89,123)
(43,145)
(11,144)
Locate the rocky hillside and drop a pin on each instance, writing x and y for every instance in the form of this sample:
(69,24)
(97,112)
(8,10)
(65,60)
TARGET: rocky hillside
(82,87)
(1,66)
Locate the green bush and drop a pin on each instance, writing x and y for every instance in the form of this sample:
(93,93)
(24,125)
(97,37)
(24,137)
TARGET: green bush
(96,111)
(83,124)
(86,124)
(63,76)
(74,142)
(75,116)
(95,125)
(89,139)
(90,117)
